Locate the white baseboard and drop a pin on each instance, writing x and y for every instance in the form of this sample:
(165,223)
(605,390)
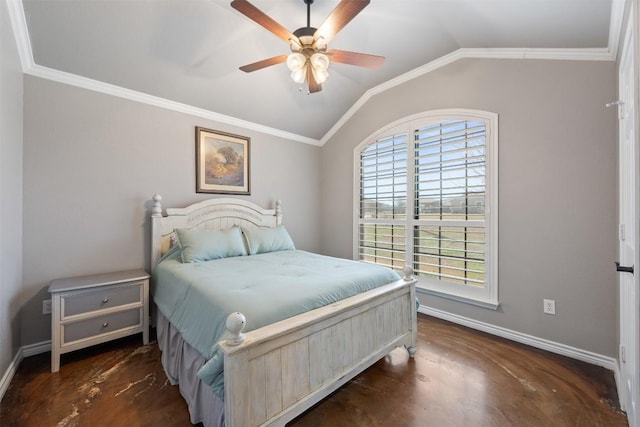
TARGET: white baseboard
(37,348)
(24,351)
(10,372)
(541,343)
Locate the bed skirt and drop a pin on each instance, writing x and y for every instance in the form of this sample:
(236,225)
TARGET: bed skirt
(181,363)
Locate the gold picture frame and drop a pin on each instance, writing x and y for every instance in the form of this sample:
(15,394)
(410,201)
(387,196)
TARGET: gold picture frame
(222,162)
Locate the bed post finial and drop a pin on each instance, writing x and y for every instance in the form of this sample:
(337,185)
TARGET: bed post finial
(408,273)
(235,325)
(157,205)
(278,210)
(156,230)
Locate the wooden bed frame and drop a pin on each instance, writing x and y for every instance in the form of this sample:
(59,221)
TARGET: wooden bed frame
(280,370)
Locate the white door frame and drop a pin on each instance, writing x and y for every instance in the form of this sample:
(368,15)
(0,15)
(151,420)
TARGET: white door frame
(629,224)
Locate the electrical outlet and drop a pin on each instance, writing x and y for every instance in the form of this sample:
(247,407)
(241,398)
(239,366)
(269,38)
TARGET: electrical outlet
(46,306)
(549,306)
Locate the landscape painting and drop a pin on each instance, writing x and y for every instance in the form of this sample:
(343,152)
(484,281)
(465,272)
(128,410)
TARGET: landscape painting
(222,162)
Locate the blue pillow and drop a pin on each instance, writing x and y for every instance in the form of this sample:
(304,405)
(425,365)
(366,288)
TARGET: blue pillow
(205,245)
(267,239)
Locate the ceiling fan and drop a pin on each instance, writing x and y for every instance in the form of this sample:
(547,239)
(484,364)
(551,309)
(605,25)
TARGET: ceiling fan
(309,58)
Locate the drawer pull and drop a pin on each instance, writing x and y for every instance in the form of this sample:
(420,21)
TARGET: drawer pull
(105,324)
(106,300)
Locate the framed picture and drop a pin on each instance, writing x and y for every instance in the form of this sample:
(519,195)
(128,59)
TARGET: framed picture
(222,162)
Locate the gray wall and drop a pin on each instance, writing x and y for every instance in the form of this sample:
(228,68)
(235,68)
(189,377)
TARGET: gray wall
(10,192)
(557,154)
(92,163)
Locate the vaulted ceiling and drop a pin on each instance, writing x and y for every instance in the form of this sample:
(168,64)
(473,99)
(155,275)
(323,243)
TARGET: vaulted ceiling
(185,54)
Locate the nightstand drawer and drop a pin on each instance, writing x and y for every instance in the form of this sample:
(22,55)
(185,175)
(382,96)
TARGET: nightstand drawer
(90,328)
(100,298)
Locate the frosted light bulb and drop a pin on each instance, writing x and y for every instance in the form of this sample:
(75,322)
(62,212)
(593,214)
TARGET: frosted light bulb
(299,75)
(319,66)
(319,61)
(296,61)
(320,75)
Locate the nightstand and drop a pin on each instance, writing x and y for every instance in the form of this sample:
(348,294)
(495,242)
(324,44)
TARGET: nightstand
(90,310)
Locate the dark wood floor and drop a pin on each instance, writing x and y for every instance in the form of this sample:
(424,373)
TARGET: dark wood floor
(459,377)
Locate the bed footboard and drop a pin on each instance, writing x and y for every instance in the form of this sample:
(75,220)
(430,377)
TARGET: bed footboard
(283,369)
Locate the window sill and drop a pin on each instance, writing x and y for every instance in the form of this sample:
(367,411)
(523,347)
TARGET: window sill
(492,305)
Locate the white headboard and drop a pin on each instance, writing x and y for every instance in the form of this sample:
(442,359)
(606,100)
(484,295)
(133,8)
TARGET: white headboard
(212,214)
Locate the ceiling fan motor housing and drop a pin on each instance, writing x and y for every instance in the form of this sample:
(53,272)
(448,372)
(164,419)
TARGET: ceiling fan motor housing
(306,39)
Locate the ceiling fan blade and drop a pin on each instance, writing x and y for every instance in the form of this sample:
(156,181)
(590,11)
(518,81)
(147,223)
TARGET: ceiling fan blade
(314,86)
(355,58)
(258,16)
(339,17)
(264,63)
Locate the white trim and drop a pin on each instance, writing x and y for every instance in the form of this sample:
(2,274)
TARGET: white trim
(37,348)
(627,382)
(615,26)
(508,53)
(598,54)
(618,379)
(21,33)
(10,372)
(486,296)
(589,54)
(24,351)
(109,89)
(493,305)
(541,343)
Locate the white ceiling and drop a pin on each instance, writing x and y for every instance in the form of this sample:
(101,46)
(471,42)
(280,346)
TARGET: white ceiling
(187,52)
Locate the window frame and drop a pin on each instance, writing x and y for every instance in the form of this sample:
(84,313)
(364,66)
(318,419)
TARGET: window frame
(487,296)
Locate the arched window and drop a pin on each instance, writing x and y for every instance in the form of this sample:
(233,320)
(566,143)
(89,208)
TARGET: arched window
(427,196)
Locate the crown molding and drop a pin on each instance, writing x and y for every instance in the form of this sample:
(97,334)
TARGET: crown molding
(593,54)
(615,26)
(121,92)
(21,33)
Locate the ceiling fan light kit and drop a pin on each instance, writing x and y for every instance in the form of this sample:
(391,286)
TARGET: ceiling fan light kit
(298,63)
(309,58)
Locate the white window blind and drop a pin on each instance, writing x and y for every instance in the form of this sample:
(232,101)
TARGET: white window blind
(427,197)
(449,236)
(383,201)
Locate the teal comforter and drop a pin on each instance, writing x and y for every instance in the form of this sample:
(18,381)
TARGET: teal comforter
(266,288)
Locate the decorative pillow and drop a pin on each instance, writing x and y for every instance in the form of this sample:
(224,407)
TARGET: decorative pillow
(267,239)
(204,245)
